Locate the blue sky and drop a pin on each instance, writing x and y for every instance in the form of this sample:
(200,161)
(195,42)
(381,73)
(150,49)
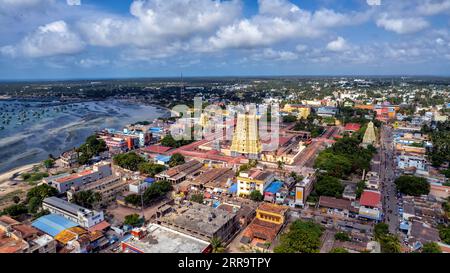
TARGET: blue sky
(73,39)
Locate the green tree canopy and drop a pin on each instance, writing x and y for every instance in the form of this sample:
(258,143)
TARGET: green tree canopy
(176,159)
(256,195)
(302,237)
(150,169)
(329,186)
(87,199)
(412,185)
(339,250)
(198,198)
(129,161)
(431,247)
(132,220)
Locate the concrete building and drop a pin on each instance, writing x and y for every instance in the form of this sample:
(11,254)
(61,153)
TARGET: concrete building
(158,239)
(84,217)
(253,180)
(181,172)
(65,182)
(370,205)
(199,221)
(303,189)
(405,161)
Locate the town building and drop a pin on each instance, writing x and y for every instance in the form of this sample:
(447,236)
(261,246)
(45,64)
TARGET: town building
(200,221)
(246,140)
(370,205)
(370,137)
(158,239)
(303,190)
(84,217)
(179,173)
(262,231)
(253,180)
(65,182)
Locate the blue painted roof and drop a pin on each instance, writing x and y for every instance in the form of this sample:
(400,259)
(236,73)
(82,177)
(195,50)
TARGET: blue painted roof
(155,129)
(274,187)
(163,158)
(232,188)
(53,224)
(149,180)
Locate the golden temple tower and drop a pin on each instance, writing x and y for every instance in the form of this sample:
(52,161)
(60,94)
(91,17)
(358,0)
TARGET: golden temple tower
(246,138)
(369,136)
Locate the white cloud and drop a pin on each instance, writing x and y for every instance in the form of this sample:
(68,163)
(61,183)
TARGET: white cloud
(301,48)
(275,55)
(402,25)
(55,38)
(161,21)
(88,62)
(338,45)
(73,2)
(433,7)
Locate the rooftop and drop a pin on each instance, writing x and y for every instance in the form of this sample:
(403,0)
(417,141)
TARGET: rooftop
(53,224)
(370,199)
(64,205)
(334,203)
(200,218)
(160,239)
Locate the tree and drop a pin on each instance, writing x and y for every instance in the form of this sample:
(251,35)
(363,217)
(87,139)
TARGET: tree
(92,147)
(339,250)
(42,191)
(150,169)
(49,163)
(360,186)
(16,199)
(216,245)
(289,119)
(15,210)
(381,230)
(431,247)
(412,185)
(169,141)
(302,237)
(342,236)
(256,195)
(444,233)
(133,199)
(198,198)
(34,203)
(329,186)
(176,159)
(156,190)
(87,199)
(129,161)
(132,220)
(390,244)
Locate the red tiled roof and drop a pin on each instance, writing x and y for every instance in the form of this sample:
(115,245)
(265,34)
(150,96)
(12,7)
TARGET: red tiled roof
(352,127)
(157,149)
(370,199)
(100,226)
(73,176)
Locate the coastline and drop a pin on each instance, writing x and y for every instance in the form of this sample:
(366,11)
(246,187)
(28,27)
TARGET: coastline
(6,176)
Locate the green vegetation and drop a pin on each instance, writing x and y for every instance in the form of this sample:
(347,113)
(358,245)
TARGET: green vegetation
(87,199)
(444,233)
(33,177)
(198,198)
(15,210)
(133,199)
(150,169)
(309,126)
(352,115)
(302,237)
(132,220)
(256,196)
(129,161)
(440,136)
(246,167)
(36,195)
(328,186)
(176,159)
(339,250)
(289,119)
(169,141)
(344,158)
(342,236)
(389,243)
(412,185)
(155,190)
(216,245)
(360,186)
(431,247)
(92,147)
(49,163)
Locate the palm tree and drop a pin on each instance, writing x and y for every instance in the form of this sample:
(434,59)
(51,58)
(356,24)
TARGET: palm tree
(216,244)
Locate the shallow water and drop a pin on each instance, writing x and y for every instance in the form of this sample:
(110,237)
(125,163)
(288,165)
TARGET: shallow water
(30,131)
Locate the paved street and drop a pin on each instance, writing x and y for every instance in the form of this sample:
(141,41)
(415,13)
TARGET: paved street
(387,176)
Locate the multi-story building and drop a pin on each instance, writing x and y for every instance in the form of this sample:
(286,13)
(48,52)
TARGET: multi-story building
(303,189)
(82,216)
(411,161)
(65,182)
(253,180)
(370,205)
(246,137)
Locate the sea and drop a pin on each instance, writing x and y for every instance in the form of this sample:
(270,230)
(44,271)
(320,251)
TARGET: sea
(31,130)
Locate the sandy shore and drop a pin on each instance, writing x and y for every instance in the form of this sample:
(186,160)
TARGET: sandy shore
(8,175)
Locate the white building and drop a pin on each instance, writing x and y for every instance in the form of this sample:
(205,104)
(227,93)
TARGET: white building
(84,217)
(409,161)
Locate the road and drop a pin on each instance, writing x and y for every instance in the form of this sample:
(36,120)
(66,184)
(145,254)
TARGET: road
(387,177)
(327,241)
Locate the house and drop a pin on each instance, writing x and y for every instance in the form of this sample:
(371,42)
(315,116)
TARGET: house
(262,231)
(179,173)
(84,217)
(253,180)
(352,127)
(335,206)
(370,205)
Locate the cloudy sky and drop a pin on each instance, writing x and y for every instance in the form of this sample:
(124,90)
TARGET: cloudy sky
(62,39)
